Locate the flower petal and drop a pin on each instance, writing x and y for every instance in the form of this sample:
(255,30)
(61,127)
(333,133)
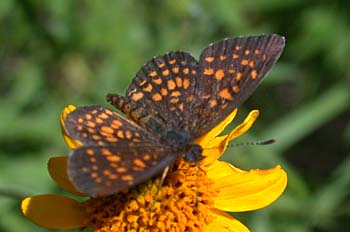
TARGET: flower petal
(72,144)
(57,167)
(216,147)
(224,222)
(54,211)
(220,169)
(206,139)
(249,190)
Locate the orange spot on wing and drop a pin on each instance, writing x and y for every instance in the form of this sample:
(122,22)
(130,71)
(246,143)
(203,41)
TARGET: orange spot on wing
(244,62)
(96,137)
(208,71)
(161,65)
(128,134)
(137,96)
(152,74)
(121,170)
(106,152)
(90,152)
(231,71)
(225,93)
(107,111)
(222,58)
(127,177)
(235,56)
(116,124)
(181,107)
(247,52)
(120,134)
(139,163)
(157,81)
(251,63)
(148,88)
(164,91)
(186,71)
(219,74)
(212,103)
(239,76)
(236,89)
(172,61)
(238,48)
(176,70)
(103,116)
(178,81)
(209,59)
(174,100)
(254,74)
(111,139)
(113,158)
(157,97)
(186,83)
(171,84)
(107,130)
(256,51)
(175,94)
(90,124)
(165,72)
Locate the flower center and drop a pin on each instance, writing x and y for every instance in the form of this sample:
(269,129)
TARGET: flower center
(181,203)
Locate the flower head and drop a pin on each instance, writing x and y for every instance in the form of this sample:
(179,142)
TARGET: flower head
(190,197)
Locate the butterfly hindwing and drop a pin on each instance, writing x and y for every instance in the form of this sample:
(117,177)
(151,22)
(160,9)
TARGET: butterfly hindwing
(96,125)
(101,171)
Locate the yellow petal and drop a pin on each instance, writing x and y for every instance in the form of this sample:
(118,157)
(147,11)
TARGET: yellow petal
(57,167)
(72,144)
(216,147)
(249,190)
(224,222)
(206,139)
(54,211)
(220,169)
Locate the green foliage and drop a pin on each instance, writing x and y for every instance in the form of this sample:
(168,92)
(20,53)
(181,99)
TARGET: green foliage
(55,53)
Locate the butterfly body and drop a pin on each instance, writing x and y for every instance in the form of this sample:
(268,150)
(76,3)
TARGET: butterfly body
(171,101)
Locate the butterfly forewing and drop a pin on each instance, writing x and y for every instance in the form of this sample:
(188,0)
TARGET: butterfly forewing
(101,171)
(230,70)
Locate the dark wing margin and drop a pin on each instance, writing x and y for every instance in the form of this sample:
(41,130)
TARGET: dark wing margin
(230,70)
(102,171)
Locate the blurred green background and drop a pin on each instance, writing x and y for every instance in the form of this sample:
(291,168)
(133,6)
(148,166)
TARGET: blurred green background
(54,53)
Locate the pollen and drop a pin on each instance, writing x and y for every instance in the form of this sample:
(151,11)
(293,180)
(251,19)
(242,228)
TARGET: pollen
(181,203)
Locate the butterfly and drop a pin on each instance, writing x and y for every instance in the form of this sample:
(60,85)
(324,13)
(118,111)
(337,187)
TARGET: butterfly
(171,101)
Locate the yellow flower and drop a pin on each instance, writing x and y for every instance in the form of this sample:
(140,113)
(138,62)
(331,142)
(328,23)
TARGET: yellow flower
(191,198)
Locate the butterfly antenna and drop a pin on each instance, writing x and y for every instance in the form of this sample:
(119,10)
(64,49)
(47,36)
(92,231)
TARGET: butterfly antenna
(263,142)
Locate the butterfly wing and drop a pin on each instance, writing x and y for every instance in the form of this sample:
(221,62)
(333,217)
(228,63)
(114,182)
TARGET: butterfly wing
(102,171)
(229,71)
(193,97)
(96,125)
(115,153)
(163,88)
